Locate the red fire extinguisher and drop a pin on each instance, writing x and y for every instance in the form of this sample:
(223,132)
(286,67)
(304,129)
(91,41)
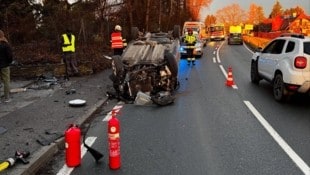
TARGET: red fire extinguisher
(114,142)
(72,146)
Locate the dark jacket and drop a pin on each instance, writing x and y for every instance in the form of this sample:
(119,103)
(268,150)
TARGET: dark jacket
(6,56)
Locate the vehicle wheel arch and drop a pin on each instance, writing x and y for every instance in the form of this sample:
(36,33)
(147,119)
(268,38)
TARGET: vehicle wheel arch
(276,73)
(255,77)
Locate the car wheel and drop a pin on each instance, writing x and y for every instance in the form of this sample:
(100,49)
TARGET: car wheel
(172,64)
(254,73)
(279,90)
(176,31)
(134,33)
(117,66)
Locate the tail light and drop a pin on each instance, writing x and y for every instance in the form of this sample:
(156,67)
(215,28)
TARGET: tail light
(300,62)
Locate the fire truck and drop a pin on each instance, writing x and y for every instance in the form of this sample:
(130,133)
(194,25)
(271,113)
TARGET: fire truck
(216,32)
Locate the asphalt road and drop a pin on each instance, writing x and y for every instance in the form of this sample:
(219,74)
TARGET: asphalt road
(211,128)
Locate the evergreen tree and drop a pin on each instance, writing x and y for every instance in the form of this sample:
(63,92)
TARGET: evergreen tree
(276,10)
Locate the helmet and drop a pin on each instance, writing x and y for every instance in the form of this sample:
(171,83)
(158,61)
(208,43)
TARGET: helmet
(118,27)
(190,31)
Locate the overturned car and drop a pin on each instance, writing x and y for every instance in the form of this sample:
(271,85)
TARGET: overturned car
(147,71)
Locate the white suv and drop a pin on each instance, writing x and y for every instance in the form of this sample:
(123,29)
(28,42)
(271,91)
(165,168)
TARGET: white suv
(284,62)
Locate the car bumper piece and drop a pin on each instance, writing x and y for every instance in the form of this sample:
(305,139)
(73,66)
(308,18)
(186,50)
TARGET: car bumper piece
(305,87)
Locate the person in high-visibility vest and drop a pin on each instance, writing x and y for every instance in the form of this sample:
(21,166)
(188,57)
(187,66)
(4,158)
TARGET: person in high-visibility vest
(117,42)
(68,50)
(190,41)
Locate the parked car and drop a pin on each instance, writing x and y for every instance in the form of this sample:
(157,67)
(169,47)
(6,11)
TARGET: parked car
(284,62)
(148,66)
(198,48)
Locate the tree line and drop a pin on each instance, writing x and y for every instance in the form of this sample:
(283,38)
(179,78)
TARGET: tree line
(233,14)
(34,29)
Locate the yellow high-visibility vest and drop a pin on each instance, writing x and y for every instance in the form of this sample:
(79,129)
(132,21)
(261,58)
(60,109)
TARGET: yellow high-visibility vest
(68,46)
(190,39)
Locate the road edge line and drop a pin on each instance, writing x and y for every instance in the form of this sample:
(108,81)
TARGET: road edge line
(281,142)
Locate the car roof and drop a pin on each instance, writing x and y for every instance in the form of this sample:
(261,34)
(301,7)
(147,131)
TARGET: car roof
(296,36)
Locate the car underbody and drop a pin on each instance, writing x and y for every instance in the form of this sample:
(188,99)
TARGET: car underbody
(147,71)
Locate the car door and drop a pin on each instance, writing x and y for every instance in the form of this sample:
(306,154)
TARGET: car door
(270,57)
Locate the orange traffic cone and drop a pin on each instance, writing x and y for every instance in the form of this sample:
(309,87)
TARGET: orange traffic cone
(230,79)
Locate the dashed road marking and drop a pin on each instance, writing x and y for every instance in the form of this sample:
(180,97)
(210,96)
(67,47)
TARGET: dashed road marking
(225,74)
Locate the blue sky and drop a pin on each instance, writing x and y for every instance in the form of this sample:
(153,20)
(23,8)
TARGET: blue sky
(266,4)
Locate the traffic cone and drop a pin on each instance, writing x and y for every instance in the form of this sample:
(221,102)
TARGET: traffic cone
(230,79)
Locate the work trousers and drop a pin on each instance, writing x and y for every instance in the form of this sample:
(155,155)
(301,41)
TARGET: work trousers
(190,55)
(5,76)
(70,63)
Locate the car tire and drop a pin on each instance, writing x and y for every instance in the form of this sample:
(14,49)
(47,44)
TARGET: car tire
(172,64)
(173,67)
(117,67)
(254,73)
(134,33)
(176,31)
(279,90)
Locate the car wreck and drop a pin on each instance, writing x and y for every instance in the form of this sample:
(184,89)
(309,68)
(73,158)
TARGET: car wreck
(147,71)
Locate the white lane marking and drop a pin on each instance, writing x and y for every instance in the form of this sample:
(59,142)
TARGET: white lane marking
(109,115)
(217,53)
(225,74)
(65,170)
(214,60)
(244,45)
(223,70)
(235,86)
(288,150)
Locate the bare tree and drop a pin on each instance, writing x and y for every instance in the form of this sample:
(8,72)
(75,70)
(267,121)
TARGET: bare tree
(210,19)
(231,15)
(195,6)
(255,14)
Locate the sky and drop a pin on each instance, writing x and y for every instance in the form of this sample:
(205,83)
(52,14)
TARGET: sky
(245,5)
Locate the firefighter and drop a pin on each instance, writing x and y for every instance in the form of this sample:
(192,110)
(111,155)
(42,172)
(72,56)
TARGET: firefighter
(190,41)
(117,42)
